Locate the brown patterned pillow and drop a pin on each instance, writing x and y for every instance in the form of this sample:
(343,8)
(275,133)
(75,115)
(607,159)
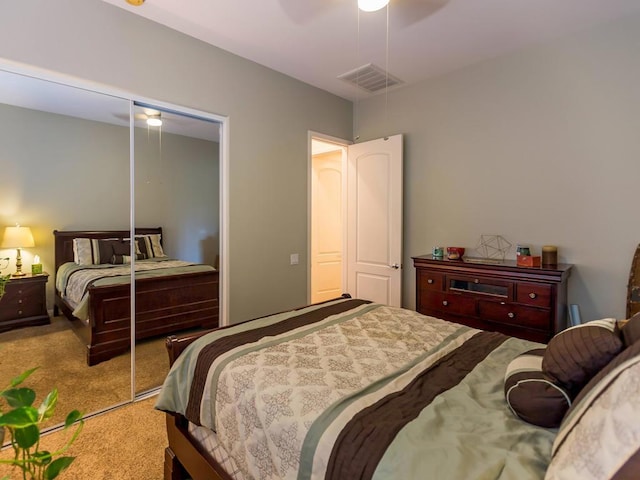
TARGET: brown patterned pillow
(150,245)
(533,396)
(631,330)
(575,355)
(94,251)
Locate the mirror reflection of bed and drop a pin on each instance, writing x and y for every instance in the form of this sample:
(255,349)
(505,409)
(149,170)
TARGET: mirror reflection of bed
(93,272)
(71,172)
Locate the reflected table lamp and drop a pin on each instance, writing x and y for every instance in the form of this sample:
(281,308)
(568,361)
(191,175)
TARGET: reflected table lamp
(17,237)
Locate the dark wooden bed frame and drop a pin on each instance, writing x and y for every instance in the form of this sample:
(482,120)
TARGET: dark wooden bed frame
(184,458)
(164,305)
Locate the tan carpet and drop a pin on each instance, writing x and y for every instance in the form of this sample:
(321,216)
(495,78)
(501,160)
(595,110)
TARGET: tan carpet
(60,356)
(124,444)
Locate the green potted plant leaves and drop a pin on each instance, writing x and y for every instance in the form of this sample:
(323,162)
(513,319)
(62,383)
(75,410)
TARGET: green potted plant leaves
(3,281)
(20,424)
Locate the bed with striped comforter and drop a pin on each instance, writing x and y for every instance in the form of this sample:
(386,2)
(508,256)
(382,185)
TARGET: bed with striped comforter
(352,389)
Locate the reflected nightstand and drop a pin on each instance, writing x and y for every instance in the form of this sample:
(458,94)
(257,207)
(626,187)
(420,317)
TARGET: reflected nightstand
(24,302)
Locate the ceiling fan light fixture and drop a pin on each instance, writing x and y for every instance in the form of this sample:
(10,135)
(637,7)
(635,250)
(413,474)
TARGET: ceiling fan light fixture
(372,5)
(154,120)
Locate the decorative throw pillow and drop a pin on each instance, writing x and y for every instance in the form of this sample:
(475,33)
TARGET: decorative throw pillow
(124,259)
(631,330)
(531,395)
(150,246)
(93,251)
(600,435)
(83,251)
(575,355)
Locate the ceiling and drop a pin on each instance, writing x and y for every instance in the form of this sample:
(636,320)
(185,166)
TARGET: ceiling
(48,96)
(317,40)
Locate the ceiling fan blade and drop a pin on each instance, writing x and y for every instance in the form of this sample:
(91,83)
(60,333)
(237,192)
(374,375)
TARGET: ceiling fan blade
(403,13)
(303,11)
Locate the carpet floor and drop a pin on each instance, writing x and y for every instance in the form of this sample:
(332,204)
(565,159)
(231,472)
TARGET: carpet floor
(123,444)
(60,357)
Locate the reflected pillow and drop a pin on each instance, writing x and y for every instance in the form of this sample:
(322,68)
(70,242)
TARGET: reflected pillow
(531,395)
(119,259)
(150,246)
(576,354)
(94,251)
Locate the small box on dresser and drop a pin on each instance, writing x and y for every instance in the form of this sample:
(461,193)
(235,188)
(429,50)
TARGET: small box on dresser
(524,302)
(24,302)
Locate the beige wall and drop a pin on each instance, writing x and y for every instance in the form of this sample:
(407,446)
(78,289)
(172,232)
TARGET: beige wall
(541,146)
(269,115)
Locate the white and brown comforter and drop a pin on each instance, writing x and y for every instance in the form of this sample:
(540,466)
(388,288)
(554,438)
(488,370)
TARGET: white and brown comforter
(351,389)
(73,281)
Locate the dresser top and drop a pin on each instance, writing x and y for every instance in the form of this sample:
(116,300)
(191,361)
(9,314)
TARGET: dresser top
(484,264)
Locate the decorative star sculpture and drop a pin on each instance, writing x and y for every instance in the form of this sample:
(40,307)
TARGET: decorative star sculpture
(493,246)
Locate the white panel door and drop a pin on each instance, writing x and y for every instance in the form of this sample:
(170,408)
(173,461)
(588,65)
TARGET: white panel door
(374,220)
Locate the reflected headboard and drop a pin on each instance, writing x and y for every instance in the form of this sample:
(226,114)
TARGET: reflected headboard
(64,240)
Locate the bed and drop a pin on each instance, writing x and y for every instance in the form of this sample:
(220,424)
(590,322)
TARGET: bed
(168,300)
(406,396)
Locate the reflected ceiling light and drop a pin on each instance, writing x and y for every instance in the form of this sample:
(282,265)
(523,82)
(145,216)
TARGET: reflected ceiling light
(154,120)
(372,5)
(135,3)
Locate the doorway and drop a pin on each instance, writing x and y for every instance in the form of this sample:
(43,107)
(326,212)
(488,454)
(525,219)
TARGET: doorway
(327,219)
(355,219)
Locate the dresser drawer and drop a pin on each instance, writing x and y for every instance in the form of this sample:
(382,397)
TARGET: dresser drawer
(533,294)
(431,281)
(450,303)
(511,314)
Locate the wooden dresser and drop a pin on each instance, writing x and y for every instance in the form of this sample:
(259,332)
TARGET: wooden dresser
(524,302)
(24,302)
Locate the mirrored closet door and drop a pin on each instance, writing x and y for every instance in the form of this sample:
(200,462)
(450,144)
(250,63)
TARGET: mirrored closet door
(67,156)
(64,153)
(177,204)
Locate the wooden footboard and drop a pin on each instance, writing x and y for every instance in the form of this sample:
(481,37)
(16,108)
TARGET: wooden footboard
(163,306)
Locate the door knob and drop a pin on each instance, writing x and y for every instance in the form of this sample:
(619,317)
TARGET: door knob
(395,266)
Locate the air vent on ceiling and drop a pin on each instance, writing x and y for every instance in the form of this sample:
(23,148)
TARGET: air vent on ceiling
(371,78)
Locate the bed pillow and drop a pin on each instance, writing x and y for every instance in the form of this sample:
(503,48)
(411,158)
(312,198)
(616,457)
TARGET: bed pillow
(576,354)
(596,438)
(94,251)
(531,395)
(150,245)
(124,259)
(630,331)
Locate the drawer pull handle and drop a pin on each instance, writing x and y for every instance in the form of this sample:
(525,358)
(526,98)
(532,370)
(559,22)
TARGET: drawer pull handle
(475,280)
(20,301)
(532,295)
(19,312)
(430,280)
(511,315)
(445,303)
(20,292)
